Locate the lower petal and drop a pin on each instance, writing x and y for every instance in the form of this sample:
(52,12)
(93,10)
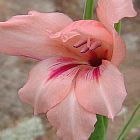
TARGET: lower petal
(101,90)
(71,120)
(49,83)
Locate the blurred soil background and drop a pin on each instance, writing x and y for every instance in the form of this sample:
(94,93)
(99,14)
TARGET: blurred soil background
(16,119)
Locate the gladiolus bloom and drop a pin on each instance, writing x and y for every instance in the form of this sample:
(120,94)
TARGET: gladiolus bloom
(77,76)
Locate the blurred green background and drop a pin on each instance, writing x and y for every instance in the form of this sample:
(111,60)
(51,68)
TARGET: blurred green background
(16,119)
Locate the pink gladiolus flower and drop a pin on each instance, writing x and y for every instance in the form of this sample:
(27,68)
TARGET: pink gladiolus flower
(77,76)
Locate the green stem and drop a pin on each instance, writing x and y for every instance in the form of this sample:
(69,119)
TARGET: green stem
(118,27)
(100,129)
(102,121)
(124,130)
(88,12)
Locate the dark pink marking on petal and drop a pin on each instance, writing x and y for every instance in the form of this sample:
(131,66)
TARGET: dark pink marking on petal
(95,61)
(96,73)
(62,69)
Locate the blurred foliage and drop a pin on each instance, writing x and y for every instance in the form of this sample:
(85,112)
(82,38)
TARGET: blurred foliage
(133,122)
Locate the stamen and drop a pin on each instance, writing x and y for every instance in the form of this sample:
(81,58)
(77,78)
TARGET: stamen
(84,49)
(89,44)
(95,45)
(80,43)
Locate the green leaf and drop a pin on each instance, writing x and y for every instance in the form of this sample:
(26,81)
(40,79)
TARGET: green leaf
(138,138)
(118,27)
(100,128)
(134,119)
(88,12)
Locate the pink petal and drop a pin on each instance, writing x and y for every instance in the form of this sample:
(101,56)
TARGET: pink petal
(85,28)
(119,49)
(81,31)
(28,35)
(49,83)
(111,11)
(71,120)
(101,90)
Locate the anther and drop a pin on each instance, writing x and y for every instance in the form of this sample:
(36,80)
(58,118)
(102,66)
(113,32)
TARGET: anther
(80,43)
(89,44)
(95,45)
(84,49)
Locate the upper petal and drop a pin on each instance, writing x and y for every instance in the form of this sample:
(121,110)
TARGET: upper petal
(28,35)
(85,28)
(111,11)
(101,90)
(49,83)
(119,49)
(71,120)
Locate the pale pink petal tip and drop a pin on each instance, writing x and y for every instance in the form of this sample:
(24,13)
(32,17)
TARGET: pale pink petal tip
(71,120)
(111,11)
